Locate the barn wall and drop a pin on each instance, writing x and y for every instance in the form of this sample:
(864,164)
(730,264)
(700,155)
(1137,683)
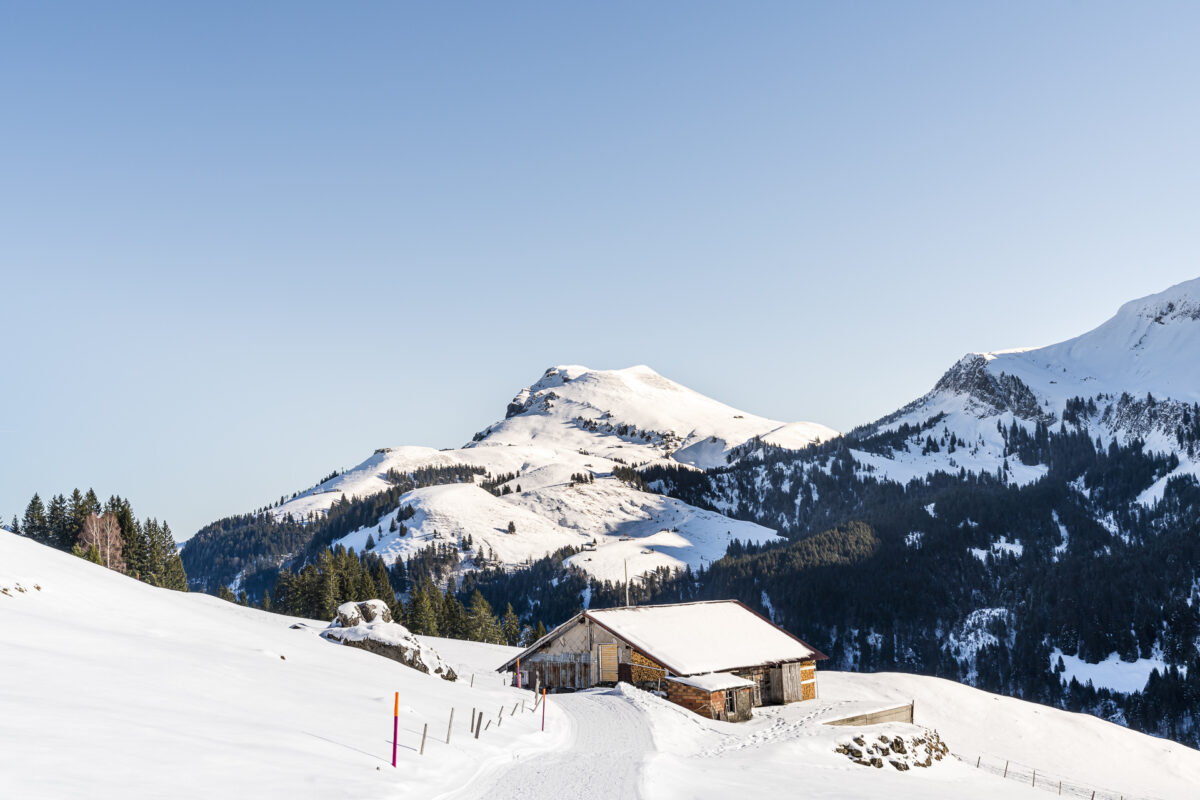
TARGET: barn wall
(571,660)
(706,704)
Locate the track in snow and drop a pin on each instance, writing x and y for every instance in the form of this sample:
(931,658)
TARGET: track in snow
(604,758)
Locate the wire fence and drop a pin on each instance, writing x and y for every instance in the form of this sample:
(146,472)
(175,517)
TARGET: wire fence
(1046,781)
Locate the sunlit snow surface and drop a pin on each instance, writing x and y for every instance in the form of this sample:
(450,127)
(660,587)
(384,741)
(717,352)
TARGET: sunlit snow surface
(572,421)
(114,689)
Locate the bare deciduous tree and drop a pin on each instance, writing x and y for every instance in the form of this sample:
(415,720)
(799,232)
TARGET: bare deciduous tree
(103,532)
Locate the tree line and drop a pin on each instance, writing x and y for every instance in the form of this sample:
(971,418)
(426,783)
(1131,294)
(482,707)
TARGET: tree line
(106,533)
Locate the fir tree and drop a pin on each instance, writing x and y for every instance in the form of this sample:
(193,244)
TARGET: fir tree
(482,625)
(511,627)
(34,523)
(422,619)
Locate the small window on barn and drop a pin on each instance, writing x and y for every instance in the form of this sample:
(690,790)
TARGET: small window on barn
(730,701)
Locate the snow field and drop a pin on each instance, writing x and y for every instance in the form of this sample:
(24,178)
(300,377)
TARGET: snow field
(113,688)
(117,689)
(627,526)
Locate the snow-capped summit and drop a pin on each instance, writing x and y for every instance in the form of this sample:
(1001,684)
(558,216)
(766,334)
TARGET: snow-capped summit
(1135,376)
(635,414)
(548,470)
(1151,345)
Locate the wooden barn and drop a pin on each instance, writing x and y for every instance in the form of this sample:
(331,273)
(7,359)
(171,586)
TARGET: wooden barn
(719,658)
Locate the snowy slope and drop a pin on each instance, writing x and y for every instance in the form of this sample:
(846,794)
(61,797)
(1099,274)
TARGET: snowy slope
(787,751)
(646,530)
(1151,346)
(116,689)
(573,420)
(112,688)
(636,415)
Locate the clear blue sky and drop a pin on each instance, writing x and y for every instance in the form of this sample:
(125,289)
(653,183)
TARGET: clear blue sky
(244,244)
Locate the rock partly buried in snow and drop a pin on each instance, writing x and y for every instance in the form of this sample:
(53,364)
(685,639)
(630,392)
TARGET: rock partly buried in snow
(368,626)
(351,614)
(902,752)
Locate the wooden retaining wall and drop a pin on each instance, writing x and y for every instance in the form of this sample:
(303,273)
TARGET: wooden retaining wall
(898,714)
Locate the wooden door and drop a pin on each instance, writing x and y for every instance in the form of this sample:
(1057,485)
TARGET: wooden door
(608,663)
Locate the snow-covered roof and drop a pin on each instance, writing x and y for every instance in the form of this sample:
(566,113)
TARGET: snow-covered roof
(697,638)
(714,681)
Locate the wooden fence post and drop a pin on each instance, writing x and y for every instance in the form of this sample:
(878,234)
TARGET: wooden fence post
(1005,775)
(424,731)
(472,680)
(977,760)
(450,727)
(1034,783)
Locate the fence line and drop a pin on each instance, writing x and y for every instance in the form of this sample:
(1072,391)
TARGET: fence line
(1044,780)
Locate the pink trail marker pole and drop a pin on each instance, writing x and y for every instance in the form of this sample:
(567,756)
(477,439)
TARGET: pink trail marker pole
(543,708)
(395,726)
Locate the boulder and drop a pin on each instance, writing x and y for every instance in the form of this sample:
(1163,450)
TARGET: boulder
(368,626)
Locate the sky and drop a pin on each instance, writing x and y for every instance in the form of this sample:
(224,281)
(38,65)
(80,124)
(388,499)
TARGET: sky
(242,245)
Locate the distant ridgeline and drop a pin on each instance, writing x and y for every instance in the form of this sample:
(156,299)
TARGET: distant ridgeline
(108,534)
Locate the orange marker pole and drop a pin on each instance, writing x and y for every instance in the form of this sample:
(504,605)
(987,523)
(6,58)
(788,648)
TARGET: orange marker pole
(543,708)
(518,673)
(395,726)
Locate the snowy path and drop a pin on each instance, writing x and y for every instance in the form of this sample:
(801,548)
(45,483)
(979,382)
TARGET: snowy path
(603,757)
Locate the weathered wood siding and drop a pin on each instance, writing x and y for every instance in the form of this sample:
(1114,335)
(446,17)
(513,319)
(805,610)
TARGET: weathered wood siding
(898,714)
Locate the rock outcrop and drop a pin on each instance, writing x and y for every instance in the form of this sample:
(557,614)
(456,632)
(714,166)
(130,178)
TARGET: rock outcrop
(369,626)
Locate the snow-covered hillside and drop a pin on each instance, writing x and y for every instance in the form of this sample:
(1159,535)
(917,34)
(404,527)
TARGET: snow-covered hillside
(636,415)
(112,688)
(573,421)
(1136,373)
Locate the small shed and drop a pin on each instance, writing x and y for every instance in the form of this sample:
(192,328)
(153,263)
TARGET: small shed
(718,658)
(720,695)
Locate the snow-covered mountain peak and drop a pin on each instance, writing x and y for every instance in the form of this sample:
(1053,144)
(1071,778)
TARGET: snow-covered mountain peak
(1178,304)
(635,415)
(1151,345)
(1133,377)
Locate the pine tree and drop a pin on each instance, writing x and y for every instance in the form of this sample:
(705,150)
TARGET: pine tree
(383,585)
(34,523)
(58,523)
(77,512)
(226,594)
(512,526)
(482,625)
(422,619)
(511,627)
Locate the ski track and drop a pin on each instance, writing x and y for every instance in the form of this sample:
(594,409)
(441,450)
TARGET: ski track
(603,757)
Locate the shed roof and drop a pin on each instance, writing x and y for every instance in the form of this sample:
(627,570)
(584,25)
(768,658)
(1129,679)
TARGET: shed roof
(696,638)
(714,681)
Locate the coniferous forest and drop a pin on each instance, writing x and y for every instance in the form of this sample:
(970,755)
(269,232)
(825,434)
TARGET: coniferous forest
(107,533)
